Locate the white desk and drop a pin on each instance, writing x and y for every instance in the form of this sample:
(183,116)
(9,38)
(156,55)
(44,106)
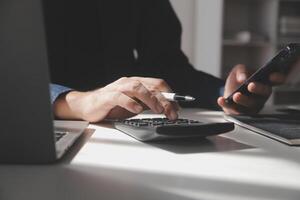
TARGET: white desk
(107,164)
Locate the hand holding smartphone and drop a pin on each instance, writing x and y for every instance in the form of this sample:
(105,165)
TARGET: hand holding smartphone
(281,63)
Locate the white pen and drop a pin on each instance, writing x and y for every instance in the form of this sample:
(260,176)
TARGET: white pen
(176,97)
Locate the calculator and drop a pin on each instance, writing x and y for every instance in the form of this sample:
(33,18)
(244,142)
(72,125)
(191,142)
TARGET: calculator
(153,129)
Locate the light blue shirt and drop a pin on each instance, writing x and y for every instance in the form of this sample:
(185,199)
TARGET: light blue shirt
(56,90)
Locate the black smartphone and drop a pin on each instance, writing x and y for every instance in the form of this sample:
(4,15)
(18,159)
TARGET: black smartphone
(282,63)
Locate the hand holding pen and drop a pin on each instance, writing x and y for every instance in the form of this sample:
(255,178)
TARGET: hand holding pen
(121,99)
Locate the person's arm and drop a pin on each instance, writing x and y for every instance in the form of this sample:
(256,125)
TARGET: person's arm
(121,99)
(159,50)
(60,97)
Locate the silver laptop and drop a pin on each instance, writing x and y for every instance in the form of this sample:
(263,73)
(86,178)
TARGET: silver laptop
(27,128)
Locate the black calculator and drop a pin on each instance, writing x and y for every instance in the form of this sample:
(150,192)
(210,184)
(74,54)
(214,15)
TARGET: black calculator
(152,129)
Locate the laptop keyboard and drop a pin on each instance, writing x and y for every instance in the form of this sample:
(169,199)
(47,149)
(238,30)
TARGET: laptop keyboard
(59,135)
(285,126)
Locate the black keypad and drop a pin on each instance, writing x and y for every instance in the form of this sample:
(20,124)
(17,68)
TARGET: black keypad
(152,129)
(153,122)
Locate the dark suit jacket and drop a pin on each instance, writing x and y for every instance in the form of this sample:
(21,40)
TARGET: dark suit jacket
(91,44)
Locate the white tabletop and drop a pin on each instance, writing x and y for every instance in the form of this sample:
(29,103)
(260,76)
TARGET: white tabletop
(107,164)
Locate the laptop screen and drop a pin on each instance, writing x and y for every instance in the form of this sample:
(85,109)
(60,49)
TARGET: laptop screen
(26,116)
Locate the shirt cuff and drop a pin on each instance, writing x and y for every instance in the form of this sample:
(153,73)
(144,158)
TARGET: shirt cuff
(57,90)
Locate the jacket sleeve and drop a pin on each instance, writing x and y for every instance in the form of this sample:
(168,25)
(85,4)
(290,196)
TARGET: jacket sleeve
(159,49)
(56,91)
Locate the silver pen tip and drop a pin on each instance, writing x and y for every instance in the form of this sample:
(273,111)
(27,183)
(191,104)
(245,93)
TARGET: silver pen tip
(189,98)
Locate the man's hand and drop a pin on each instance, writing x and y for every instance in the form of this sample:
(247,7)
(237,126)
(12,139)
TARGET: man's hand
(123,98)
(247,104)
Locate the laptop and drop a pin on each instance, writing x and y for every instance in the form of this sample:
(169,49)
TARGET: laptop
(284,128)
(27,126)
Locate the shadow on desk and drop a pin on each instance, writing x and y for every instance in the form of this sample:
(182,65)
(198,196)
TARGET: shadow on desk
(200,145)
(182,146)
(179,146)
(82,181)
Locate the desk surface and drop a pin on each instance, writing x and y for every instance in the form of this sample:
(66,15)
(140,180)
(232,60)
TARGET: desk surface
(107,164)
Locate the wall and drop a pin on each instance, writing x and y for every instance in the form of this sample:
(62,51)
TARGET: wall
(202,32)
(185,11)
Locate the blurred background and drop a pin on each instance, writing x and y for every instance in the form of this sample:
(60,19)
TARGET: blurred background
(217,34)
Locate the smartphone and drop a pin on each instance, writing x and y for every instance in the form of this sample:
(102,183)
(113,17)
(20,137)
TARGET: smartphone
(281,63)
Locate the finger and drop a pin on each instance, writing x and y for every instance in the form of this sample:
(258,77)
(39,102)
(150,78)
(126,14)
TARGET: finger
(228,109)
(137,90)
(244,100)
(277,78)
(170,109)
(176,106)
(124,101)
(154,84)
(259,89)
(241,73)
